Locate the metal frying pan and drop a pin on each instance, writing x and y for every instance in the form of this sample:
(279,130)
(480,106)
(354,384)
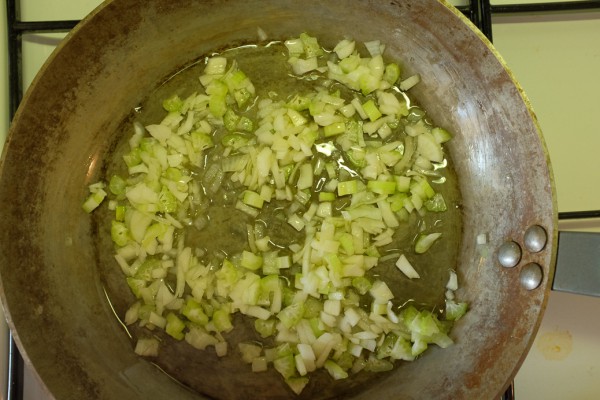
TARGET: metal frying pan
(64,132)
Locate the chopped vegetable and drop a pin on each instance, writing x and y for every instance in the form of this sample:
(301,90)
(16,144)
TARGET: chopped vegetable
(406,267)
(425,241)
(320,183)
(454,311)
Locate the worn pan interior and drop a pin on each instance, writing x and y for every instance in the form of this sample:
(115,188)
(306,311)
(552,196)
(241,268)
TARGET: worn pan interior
(51,285)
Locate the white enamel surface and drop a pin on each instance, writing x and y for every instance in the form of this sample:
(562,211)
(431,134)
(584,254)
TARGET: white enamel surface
(556,60)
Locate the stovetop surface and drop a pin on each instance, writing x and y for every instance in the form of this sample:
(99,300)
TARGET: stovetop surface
(556,61)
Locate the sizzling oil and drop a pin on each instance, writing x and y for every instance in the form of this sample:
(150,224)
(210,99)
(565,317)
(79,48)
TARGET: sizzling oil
(221,230)
(267,69)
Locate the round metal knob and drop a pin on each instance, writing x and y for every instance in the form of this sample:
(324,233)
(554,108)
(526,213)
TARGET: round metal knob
(535,238)
(509,254)
(531,276)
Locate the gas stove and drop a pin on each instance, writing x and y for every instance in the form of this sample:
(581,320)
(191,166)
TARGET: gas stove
(551,47)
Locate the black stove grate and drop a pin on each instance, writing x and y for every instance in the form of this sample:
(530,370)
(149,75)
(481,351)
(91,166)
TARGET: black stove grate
(478,11)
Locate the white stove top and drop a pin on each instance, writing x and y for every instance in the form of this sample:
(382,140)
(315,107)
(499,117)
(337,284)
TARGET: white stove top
(556,59)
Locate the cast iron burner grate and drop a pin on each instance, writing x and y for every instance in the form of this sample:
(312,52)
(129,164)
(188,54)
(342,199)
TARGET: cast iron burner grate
(478,11)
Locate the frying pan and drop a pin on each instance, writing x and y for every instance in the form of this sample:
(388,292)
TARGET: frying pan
(53,260)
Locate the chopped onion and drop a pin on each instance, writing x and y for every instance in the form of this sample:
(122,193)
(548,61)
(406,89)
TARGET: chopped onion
(406,267)
(343,172)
